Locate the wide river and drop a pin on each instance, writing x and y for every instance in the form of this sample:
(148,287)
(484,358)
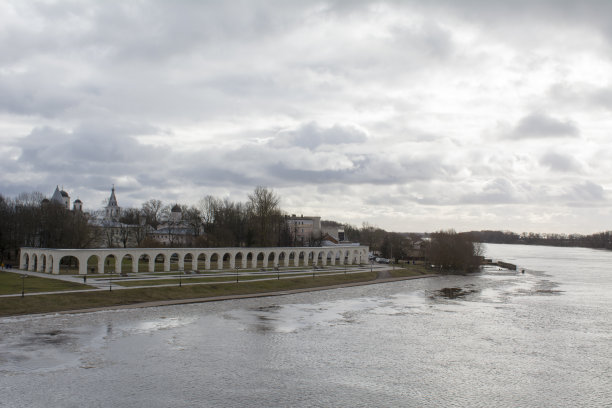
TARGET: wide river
(493,339)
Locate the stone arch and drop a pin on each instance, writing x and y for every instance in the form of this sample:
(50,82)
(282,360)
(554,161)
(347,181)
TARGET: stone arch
(283,259)
(239,260)
(110,261)
(93,264)
(260,260)
(173,262)
(69,265)
(34,262)
(251,260)
(311,258)
(225,261)
(188,262)
(291,259)
(271,257)
(127,264)
(144,263)
(214,260)
(320,258)
(42,262)
(49,264)
(331,258)
(201,261)
(159,262)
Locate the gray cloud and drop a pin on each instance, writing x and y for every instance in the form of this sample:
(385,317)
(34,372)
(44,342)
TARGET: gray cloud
(560,162)
(311,135)
(390,103)
(541,125)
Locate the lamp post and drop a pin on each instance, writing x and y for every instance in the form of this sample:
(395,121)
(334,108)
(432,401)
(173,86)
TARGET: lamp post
(23,284)
(237,267)
(180,278)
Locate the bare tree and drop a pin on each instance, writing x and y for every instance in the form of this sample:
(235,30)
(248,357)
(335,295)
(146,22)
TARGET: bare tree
(152,211)
(264,208)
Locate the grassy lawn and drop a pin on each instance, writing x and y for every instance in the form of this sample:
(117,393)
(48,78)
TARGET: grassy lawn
(74,301)
(175,281)
(410,270)
(10,283)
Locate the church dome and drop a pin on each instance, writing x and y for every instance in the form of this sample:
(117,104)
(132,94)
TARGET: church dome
(176,208)
(64,194)
(78,201)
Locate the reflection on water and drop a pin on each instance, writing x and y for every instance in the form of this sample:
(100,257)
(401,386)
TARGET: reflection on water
(498,338)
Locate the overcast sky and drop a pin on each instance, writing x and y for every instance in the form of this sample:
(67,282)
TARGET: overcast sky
(410,115)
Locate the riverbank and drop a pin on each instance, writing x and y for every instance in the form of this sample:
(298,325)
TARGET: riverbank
(247,296)
(93,300)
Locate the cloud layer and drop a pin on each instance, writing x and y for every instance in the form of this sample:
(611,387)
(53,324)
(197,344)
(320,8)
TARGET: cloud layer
(411,115)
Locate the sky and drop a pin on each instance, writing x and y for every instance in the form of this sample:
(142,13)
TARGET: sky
(407,115)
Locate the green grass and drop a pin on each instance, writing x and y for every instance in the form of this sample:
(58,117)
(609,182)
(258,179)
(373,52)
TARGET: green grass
(76,301)
(10,283)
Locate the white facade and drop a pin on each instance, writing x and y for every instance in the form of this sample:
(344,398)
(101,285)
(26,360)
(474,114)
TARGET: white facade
(48,260)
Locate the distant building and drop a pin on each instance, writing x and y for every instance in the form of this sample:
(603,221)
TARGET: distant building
(304,230)
(112,209)
(61,197)
(175,231)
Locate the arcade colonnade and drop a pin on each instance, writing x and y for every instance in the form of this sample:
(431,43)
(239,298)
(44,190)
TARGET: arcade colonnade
(48,260)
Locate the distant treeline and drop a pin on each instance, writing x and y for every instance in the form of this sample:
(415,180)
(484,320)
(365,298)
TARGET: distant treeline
(600,240)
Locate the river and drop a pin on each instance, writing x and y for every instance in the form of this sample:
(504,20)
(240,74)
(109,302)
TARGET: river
(496,338)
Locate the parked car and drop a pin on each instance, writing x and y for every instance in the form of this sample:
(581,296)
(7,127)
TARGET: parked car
(382,260)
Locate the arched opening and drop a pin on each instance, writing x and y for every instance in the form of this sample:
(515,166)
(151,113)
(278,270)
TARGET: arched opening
(174,258)
(126,264)
(214,261)
(331,258)
(250,260)
(238,260)
(226,261)
(34,262)
(143,263)
(43,263)
(320,257)
(26,262)
(109,264)
(92,264)
(260,260)
(69,265)
(188,262)
(292,259)
(311,259)
(302,259)
(159,263)
(271,257)
(281,258)
(201,262)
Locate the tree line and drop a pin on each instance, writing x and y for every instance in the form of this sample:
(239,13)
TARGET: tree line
(213,222)
(600,240)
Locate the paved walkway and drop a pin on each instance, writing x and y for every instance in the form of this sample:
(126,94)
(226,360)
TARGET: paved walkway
(104,283)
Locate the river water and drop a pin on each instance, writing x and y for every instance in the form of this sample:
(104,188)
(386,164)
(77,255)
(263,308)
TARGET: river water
(497,338)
